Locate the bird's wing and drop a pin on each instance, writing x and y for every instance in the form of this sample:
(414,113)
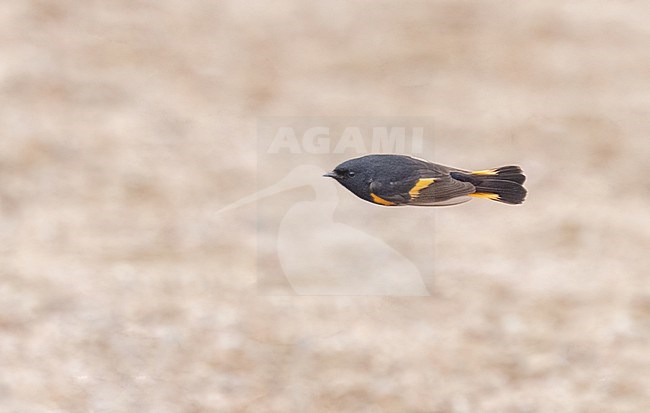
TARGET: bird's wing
(428,185)
(443,190)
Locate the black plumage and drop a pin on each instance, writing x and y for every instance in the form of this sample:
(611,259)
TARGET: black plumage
(403,180)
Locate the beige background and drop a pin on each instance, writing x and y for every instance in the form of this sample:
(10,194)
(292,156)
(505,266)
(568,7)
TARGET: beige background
(126,124)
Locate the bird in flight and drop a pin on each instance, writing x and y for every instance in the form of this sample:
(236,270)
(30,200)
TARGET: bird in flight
(393,180)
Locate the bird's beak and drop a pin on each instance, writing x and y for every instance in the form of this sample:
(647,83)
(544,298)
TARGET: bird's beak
(331,175)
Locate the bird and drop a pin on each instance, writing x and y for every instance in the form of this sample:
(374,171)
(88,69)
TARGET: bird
(395,180)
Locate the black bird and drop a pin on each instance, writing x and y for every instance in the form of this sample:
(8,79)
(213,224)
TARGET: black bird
(392,180)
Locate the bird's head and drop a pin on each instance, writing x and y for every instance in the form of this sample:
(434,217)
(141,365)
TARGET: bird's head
(354,176)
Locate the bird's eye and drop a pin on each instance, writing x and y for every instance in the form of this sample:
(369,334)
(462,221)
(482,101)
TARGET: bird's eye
(350,173)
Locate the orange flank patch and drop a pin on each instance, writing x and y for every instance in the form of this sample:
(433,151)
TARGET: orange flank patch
(485,172)
(485,195)
(379,200)
(420,185)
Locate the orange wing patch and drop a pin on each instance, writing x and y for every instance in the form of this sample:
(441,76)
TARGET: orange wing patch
(381,201)
(420,185)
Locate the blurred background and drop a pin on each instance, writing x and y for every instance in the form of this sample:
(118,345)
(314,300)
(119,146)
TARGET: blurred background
(126,125)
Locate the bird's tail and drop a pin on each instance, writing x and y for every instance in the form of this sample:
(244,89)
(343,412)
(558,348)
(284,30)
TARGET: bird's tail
(503,184)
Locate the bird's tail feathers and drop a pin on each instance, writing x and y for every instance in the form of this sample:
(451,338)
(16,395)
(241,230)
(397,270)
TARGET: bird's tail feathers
(500,184)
